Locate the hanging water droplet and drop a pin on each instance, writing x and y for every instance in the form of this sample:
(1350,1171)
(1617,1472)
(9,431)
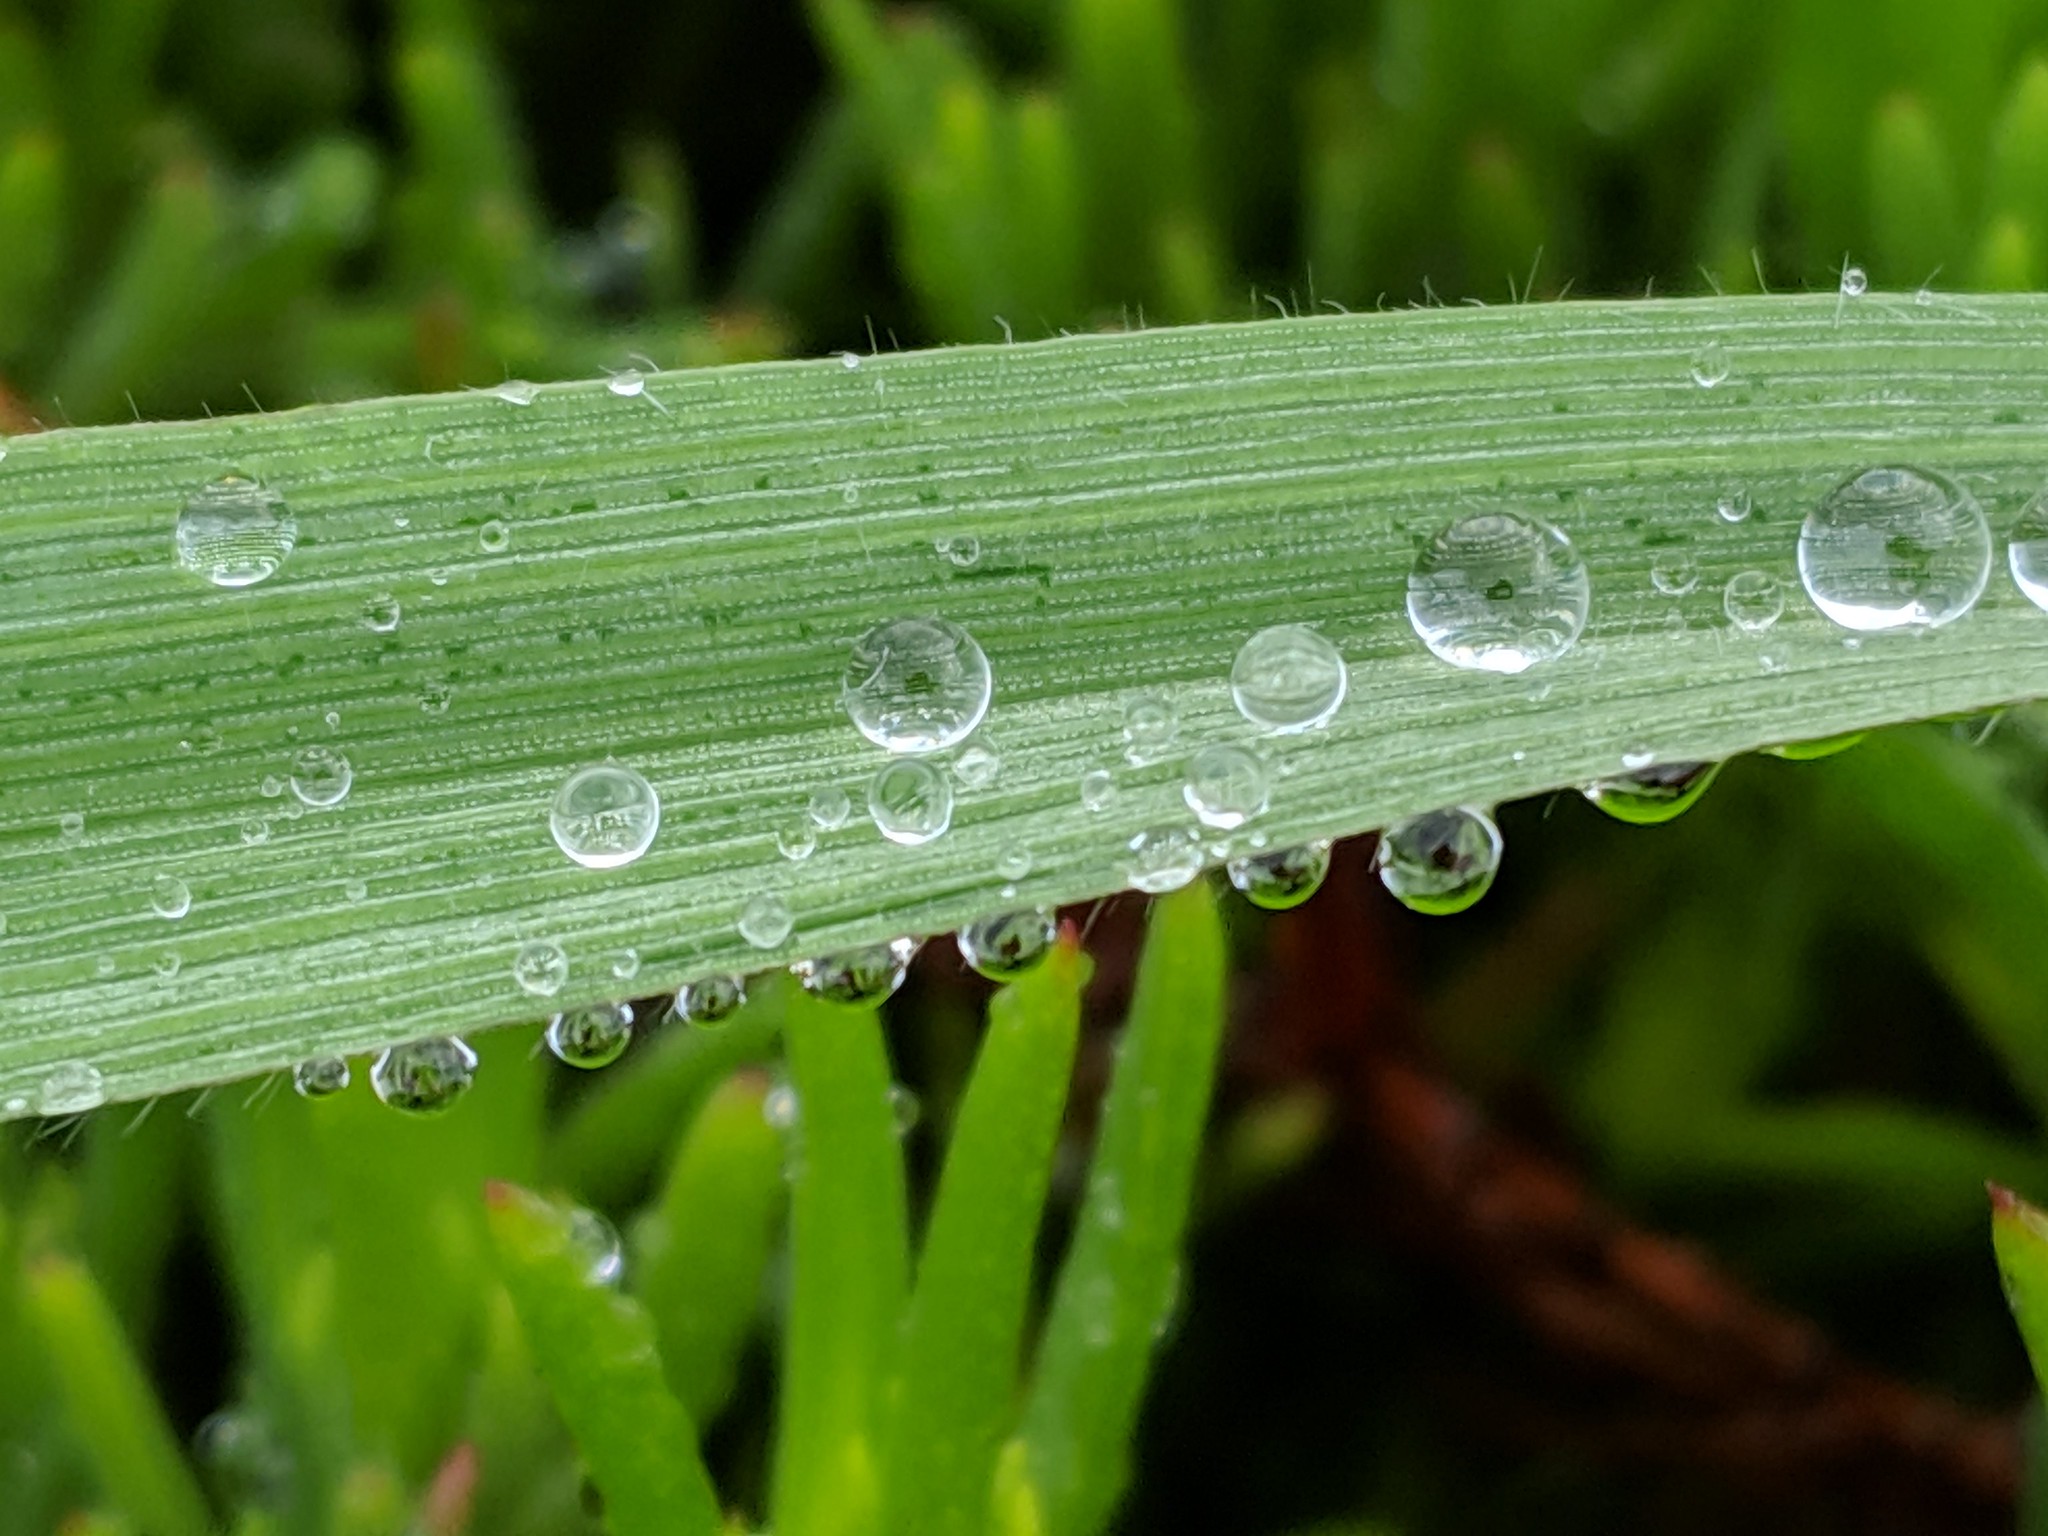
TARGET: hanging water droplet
(905,1109)
(2027,554)
(858,977)
(515,392)
(830,808)
(1150,725)
(235,533)
(911,801)
(70,828)
(320,1077)
(765,921)
(321,776)
(1288,678)
(494,536)
(979,763)
(1733,506)
(540,967)
(1496,592)
(1162,859)
(71,1088)
(1674,572)
(1648,795)
(1225,786)
(1009,943)
(604,816)
(796,840)
(917,685)
(1895,548)
(626,383)
(381,614)
(626,964)
(595,1035)
(961,550)
(709,1001)
(1855,282)
(424,1077)
(1441,861)
(1753,600)
(1284,878)
(1098,789)
(595,1242)
(170,897)
(1709,366)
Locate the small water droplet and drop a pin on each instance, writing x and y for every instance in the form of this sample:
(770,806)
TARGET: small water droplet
(1855,282)
(235,533)
(1441,861)
(779,1106)
(1098,789)
(917,685)
(1674,572)
(321,776)
(167,965)
(905,1109)
(435,697)
(595,1242)
(858,977)
(797,840)
(540,967)
(494,536)
(1497,592)
(321,1077)
(626,964)
(911,801)
(627,383)
(332,719)
(1225,786)
(381,614)
(849,361)
(1647,795)
(70,828)
(355,890)
(765,921)
(515,392)
(1284,878)
(1288,678)
(604,816)
(710,1001)
(961,550)
(830,808)
(979,764)
(170,897)
(1150,725)
(595,1035)
(1709,365)
(1162,859)
(438,578)
(71,1088)
(1895,548)
(1008,944)
(1013,863)
(1753,601)
(1733,506)
(424,1077)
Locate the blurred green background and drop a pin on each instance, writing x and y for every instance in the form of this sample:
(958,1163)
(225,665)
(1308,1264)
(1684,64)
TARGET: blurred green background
(1645,1197)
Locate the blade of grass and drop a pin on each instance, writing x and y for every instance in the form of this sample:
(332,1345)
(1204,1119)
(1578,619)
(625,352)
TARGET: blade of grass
(1065,1470)
(686,569)
(2019,1241)
(596,1351)
(955,1395)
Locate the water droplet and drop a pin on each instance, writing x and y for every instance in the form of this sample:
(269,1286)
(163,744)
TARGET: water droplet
(917,685)
(1098,789)
(1162,859)
(1284,878)
(1012,863)
(797,840)
(332,719)
(911,801)
(779,1106)
(849,361)
(1497,592)
(1009,943)
(321,776)
(595,1242)
(170,897)
(71,1088)
(167,965)
(1150,725)
(604,816)
(1855,282)
(905,1109)
(1753,601)
(765,921)
(381,614)
(320,1077)
(235,533)
(830,808)
(494,536)
(962,550)
(710,1001)
(355,890)
(595,1035)
(424,1077)
(1674,572)
(540,967)
(70,828)
(1441,861)
(1648,795)
(627,383)
(435,697)
(515,392)
(859,977)
(2027,554)
(271,787)
(979,763)
(1733,506)
(103,966)
(243,1458)
(1288,678)
(625,965)
(1709,365)
(1225,786)
(1895,548)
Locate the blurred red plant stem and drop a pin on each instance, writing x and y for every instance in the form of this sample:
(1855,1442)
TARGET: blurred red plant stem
(1698,1370)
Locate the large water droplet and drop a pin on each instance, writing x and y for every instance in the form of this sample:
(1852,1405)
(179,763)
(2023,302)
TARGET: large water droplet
(169,896)
(1283,878)
(1287,678)
(424,1077)
(917,685)
(1162,859)
(1225,786)
(1497,592)
(540,967)
(1009,943)
(1441,861)
(911,801)
(235,533)
(765,921)
(1753,600)
(321,776)
(1895,548)
(710,1000)
(859,977)
(604,816)
(320,1077)
(2027,554)
(595,1035)
(71,1088)
(1649,795)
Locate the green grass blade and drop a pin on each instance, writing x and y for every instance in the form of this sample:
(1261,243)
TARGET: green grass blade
(955,1396)
(1067,1465)
(596,1351)
(2019,1241)
(106,1392)
(685,571)
(849,1256)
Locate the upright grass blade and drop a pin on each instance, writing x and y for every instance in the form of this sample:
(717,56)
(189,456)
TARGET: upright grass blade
(2019,1241)
(1063,1473)
(956,1387)
(682,573)
(596,1350)
(849,1257)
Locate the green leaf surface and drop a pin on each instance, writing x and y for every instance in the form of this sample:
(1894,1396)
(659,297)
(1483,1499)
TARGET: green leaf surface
(684,571)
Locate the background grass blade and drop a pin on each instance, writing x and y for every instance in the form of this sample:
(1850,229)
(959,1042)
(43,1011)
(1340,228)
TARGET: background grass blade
(685,570)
